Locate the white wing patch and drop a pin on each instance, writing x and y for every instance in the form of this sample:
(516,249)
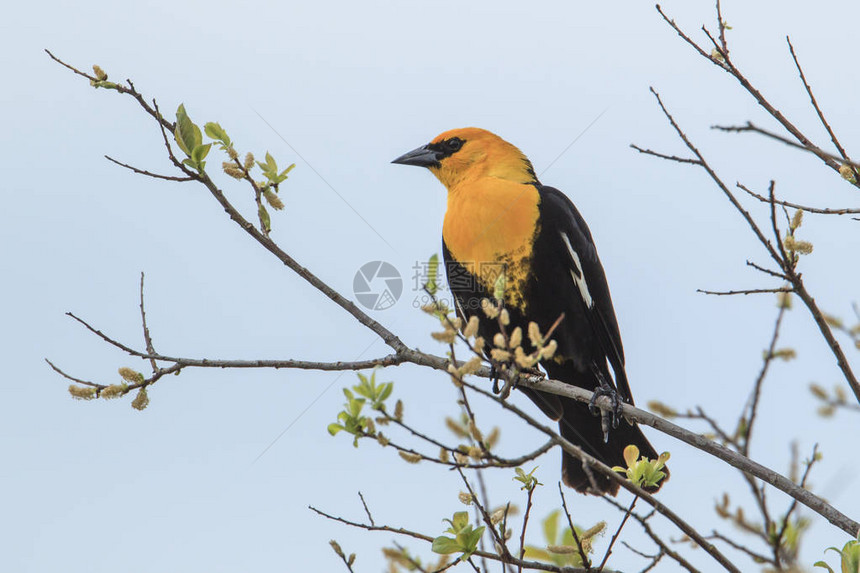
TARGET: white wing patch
(576,273)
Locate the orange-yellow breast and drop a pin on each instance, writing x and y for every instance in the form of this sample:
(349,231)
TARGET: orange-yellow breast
(492,222)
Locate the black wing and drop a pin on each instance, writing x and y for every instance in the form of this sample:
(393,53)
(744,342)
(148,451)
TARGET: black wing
(572,281)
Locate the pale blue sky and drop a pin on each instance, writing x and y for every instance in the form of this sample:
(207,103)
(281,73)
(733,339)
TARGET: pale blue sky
(99,487)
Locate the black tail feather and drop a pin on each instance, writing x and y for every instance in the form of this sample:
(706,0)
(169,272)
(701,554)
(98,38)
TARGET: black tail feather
(583,429)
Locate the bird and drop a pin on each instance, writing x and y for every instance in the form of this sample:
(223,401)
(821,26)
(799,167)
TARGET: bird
(500,215)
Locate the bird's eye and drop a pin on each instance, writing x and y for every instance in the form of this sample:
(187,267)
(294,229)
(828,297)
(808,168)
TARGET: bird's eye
(454,144)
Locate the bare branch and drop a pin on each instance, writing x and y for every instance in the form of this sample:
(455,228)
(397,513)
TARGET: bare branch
(814,102)
(148,173)
(806,208)
(745,292)
(664,156)
(827,157)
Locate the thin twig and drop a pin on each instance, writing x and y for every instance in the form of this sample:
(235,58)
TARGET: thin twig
(808,209)
(583,556)
(747,291)
(643,521)
(616,534)
(814,102)
(148,173)
(147,338)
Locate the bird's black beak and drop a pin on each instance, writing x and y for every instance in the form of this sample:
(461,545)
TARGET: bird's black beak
(422,157)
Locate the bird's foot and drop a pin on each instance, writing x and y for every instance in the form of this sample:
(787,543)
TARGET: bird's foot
(609,419)
(495,376)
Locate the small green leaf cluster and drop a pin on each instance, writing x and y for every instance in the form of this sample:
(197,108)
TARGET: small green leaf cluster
(351,419)
(561,548)
(189,138)
(529,481)
(643,472)
(101,80)
(849,557)
(465,538)
(376,393)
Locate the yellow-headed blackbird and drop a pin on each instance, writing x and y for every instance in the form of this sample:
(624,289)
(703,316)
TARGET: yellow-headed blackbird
(500,217)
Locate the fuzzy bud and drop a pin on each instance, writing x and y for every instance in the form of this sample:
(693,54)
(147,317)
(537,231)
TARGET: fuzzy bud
(504,317)
(443,455)
(800,247)
(499,340)
(497,516)
(113,391)
(796,220)
(471,327)
(475,432)
(249,161)
(100,73)
(500,355)
(516,338)
(82,392)
(131,376)
(534,334)
(490,310)
(493,438)
(448,336)
(273,199)
(141,401)
(561,549)
(847,173)
(232,170)
(478,345)
(548,351)
(818,391)
(410,457)
(524,360)
(662,409)
(383,441)
(472,366)
(476,453)
(461,459)
(456,428)
(369,426)
(465,498)
(336,546)
(232,153)
(398,410)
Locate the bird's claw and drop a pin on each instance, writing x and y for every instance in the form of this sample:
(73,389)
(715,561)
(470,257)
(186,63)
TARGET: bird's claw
(612,394)
(495,375)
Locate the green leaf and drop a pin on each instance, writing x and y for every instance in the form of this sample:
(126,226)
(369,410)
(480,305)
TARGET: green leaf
(187,134)
(282,176)
(265,219)
(432,273)
(823,565)
(386,391)
(216,132)
(444,545)
(499,288)
(550,527)
(198,154)
(461,520)
(335,428)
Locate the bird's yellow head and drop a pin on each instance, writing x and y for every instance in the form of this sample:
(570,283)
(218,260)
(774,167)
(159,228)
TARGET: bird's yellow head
(468,154)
